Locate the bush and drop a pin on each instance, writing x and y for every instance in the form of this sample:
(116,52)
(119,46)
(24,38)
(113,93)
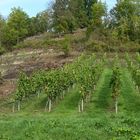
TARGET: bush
(66,46)
(2,50)
(1,79)
(30,43)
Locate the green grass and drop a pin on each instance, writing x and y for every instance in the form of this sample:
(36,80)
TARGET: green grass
(131,98)
(97,122)
(101,97)
(69,104)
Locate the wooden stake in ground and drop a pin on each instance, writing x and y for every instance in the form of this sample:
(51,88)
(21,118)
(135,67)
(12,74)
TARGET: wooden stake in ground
(115,85)
(50,105)
(82,105)
(116,106)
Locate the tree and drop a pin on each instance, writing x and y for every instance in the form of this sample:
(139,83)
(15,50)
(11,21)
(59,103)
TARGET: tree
(88,7)
(2,24)
(99,10)
(17,27)
(39,23)
(71,14)
(77,8)
(66,46)
(42,21)
(33,26)
(126,19)
(115,85)
(82,11)
(60,8)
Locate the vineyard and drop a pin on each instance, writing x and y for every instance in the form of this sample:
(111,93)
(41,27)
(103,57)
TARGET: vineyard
(97,97)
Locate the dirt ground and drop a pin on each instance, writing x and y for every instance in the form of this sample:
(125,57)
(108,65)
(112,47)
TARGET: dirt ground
(28,60)
(6,88)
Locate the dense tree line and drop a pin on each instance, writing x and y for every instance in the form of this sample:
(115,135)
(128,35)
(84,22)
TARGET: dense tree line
(70,14)
(65,16)
(19,25)
(125,18)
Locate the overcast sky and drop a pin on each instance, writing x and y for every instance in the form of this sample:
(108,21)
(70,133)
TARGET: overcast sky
(32,7)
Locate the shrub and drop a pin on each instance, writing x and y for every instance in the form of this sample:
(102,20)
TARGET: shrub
(2,50)
(1,79)
(66,46)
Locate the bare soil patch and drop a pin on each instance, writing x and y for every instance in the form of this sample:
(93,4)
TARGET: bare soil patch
(29,61)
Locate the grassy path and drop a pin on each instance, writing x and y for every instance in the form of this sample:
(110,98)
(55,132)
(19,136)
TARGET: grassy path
(131,99)
(104,91)
(101,98)
(100,101)
(69,104)
(65,123)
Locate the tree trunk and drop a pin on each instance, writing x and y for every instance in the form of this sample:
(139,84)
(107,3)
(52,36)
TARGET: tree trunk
(57,99)
(79,108)
(94,87)
(137,88)
(131,64)
(19,105)
(73,86)
(13,108)
(89,96)
(86,99)
(38,94)
(62,95)
(46,105)
(64,92)
(68,89)
(17,40)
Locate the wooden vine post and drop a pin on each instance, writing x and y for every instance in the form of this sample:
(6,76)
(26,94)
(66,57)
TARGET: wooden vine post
(115,85)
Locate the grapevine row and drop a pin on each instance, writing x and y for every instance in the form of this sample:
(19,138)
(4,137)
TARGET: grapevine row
(52,83)
(134,69)
(115,85)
